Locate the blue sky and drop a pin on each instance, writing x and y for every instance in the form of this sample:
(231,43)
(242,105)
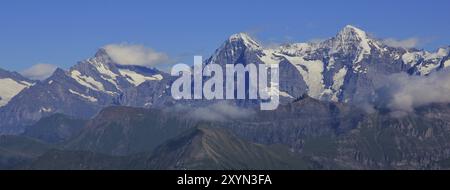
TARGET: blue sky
(64,32)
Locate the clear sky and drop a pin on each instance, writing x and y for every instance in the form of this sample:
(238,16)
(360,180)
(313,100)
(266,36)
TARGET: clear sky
(64,32)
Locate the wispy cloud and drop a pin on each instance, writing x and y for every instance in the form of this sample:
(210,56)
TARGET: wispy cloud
(221,111)
(317,40)
(39,71)
(403,92)
(126,54)
(406,43)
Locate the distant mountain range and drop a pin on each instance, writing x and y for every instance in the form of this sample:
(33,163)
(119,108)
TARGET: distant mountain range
(103,115)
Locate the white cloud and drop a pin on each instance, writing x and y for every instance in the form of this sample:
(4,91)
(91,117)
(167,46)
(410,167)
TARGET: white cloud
(126,54)
(39,71)
(317,40)
(407,43)
(221,111)
(406,92)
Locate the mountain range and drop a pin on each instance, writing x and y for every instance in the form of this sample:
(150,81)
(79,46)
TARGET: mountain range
(346,68)
(100,114)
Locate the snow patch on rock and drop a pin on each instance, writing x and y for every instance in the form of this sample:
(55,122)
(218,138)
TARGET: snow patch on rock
(311,71)
(136,79)
(87,81)
(89,98)
(10,88)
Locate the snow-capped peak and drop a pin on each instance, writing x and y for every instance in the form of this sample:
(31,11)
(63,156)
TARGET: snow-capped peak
(350,35)
(351,39)
(233,48)
(102,56)
(350,31)
(101,74)
(244,38)
(443,51)
(101,53)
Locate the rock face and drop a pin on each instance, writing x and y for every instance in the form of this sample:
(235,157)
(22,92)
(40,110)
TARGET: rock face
(293,123)
(340,136)
(416,141)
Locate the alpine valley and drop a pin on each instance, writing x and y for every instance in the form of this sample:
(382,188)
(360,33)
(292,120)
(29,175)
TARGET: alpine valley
(335,113)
